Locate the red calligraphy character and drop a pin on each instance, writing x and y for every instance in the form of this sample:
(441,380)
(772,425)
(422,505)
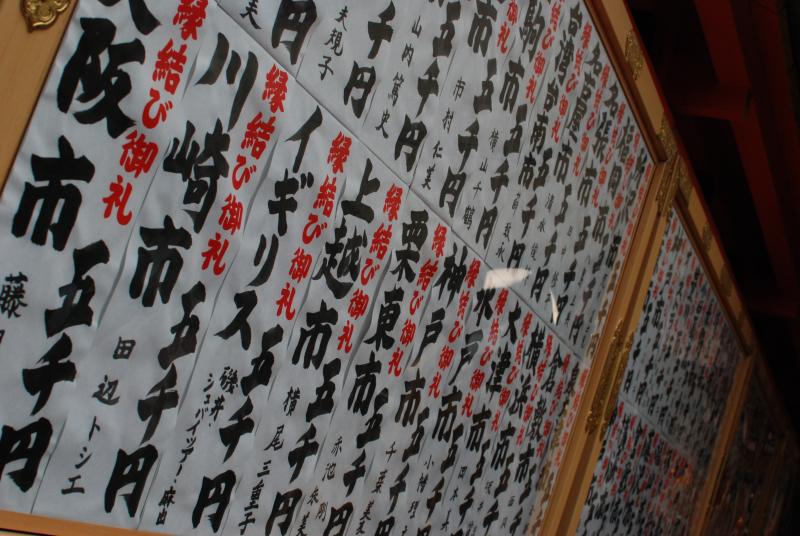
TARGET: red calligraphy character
(521,436)
(339,152)
(548,347)
(486,356)
(530,90)
(463,302)
(426,273)
(242,172)
(540,370)
(380,241)
(312,230)
(215,252)
(433,388)
(275,88)
(496,421)
(494,331)
(358,304)
(394,363)
(326,196)
(528,413)
(466,407)
(472,273)
(526,324)
(500,305)
(445,357)
(407,333)
(512,375)
(391,205)
(439,239)
(369,271)
(138,154)
(345,337)
(118,199)
(286,301)
(476,380)
(258,134)
(169,66)
(502,37)
(190,17)
(231,217)
(301,265)
(416,301)
(155,111)
(512,12)
(455,333)
(505,394)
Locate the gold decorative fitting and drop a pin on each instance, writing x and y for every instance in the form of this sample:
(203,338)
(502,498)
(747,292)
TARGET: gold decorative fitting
(620,365)
(667,138)
(707,238)
(42,13)
(607,378)
(684,182)
(633,54)
(725,282)
(667,189)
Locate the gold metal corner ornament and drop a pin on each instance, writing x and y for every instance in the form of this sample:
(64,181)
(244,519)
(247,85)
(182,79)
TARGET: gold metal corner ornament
(633,54)
(666,190)
(597,412)
(684,182)
(621,365)
(667,138)
(40,14)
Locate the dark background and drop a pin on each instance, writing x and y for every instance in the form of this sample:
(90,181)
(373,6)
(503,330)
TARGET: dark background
(729,72)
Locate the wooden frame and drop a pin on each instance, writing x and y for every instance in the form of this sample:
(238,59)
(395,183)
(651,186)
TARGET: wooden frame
(25,59)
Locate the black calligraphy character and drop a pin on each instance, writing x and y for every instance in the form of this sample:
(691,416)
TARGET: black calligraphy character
(368,186)
(154,262)
(410,400)
(414,234)
(337,523)
(306,446)
(76,308)
(324,401)
(262,365)
(486,225)
(150,409)
(302,135)
(417,435)
(185,332)
(29,444)
(245,302)
(452,187)
(214,491)
(514,141)
(364,385)
(284,201)
(411,137)
(480,32)
(198,190)
(443,43)
(398,487)
(484,100)
(283,507)
(133,468)
(349,265)
(251,12)
(53,194)
(106,391)
(12,294)
(532,29)
(372,429)
(361,79)
(379,32)
(143,19)
(388,314)
(218,60)
(428,85)
(446,416)
(359,470)
(265,271)
(468,143)
(510,89)
(241,424)
(313,340)
(56,368)
(110,84)
(295,16)
(432,331)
